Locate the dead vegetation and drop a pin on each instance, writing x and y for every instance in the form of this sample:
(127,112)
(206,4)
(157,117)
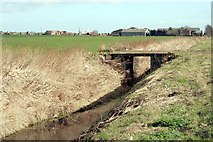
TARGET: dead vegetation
(173,44)
(142,64)
(37,86)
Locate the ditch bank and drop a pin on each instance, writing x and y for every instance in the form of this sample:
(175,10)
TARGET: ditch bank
(39,86)
(174,103)
(83,122)
(73,125)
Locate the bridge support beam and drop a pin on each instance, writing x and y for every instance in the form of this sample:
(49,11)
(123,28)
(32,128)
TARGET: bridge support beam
(125,61)
(131,66)
(155,62)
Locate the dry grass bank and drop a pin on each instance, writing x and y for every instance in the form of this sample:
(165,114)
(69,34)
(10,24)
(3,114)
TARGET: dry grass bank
(172,44)
(142,64)
(40,86)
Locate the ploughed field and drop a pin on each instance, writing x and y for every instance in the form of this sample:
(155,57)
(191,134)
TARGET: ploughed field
(50,76)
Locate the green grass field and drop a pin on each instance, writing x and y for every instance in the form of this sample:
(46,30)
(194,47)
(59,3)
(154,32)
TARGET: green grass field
(88,43)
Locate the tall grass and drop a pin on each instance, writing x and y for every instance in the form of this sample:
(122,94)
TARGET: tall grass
(1,94)
(157,44)
(41,85)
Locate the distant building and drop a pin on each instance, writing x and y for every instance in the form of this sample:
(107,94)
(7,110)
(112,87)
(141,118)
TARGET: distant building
(55,32)
(69,33)
(183,31)
(30,33)
(172,32)
(63,32)
(131,32)
(117,32)
(12,33)
(94,33)
(21,33)
(188,31)
(52,32)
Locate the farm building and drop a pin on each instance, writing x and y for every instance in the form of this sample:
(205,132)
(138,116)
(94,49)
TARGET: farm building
(117,32)
(167,32)
(188,31)
(52,32)
(10,33)
(183,31)
(196,31)
(68,33)
(131,32)
(172,32)
(30,33)
(63,32)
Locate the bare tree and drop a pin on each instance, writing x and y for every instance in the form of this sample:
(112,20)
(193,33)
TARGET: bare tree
(208,30)
(95,31)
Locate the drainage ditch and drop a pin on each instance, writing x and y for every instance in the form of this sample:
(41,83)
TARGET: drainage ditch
(73,125)
(83,123)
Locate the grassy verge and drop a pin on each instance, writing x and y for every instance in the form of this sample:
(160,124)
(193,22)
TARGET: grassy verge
(175,102)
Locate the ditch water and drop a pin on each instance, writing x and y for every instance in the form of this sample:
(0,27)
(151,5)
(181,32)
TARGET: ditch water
(72,126)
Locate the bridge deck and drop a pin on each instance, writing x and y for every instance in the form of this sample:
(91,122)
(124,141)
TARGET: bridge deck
(126,59)
(136,53)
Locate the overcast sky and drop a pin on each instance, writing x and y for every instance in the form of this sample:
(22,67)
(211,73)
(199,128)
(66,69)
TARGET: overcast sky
(101,15)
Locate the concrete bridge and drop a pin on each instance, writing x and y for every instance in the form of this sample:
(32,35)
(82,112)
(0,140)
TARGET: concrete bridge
(156,58)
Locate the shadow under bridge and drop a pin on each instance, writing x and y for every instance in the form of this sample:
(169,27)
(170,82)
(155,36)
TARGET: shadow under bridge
(127,58)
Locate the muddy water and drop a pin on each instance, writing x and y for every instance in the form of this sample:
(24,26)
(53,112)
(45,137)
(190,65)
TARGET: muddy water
(72,126)
(67,128)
